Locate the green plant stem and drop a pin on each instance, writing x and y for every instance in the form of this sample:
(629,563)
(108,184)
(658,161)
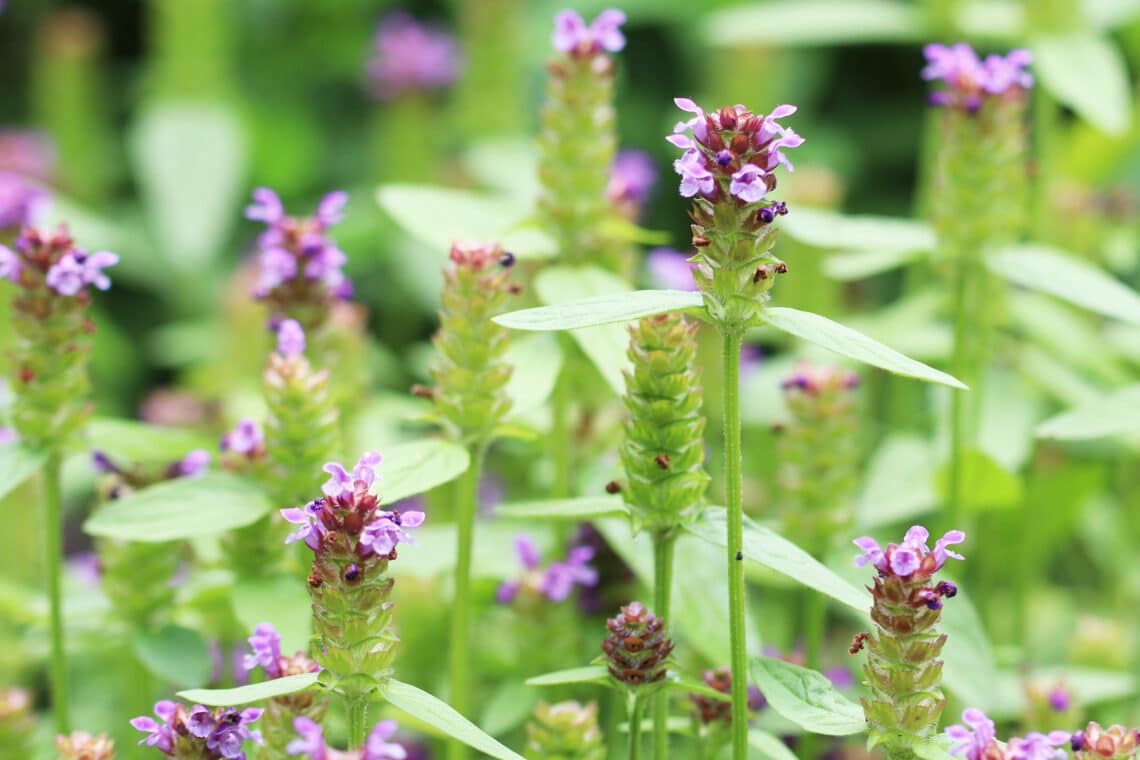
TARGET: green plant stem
(663,547)
(957,399)
(734,490)
(53,536)
(357,721)
(466,495)
(560,435)
(634,728)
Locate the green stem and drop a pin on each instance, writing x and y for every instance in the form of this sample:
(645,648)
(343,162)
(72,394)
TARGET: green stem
(662,593)
(53,535)
(957,398)
(357,722)
(734,490)
(461,606)
(634,728)
(560,433)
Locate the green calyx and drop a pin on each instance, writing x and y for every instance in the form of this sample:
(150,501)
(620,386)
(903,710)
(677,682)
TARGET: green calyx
(470,374)
(565,731)
(903,671)
(663,452)
(577,144)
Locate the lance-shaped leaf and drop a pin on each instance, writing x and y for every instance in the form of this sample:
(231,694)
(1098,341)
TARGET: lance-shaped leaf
(1115,414)
(412,468)
(1086,72)
(601,310)
(586,508)
(254,692)
(435,712)
(17,464)
(184,508)
(807,698)
(1069,278)
(852,344)
(585,674)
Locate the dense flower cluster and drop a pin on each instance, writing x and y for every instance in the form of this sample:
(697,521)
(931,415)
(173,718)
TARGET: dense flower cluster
(556,581)
(912,560)
(638,646)
(218,733)
(711,710)
(731,151)
(565,731)
(976,740)
(53,259)
(296,254)
(970,79)
(573,37)
(409,56)
(311,743)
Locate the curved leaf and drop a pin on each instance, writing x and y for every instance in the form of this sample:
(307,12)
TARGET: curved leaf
(601,310)
(537,360)
(419,704)
(412,468)
(184,508)
(587,508)
(585,674)
(860,264)
(17,464)
(254,692)
(1086,72)
(847,342)
(806,698)
(1115,414)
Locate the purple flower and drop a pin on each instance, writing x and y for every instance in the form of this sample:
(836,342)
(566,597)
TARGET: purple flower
(200,722)
(9,264)
(341,482)
(8,435)
(818,380)
(265,644)
(408,56)
(669,268)
(77,269)
(93,266)
(1060,699)
(632,176)
(1006,73)
(311,739)
(231,731)
(975,738)
(246,438)
(311,528)
(557,581)
(193,464)
(21,200)
(970,79)
(529,559)
(572,36)
(159,735)
(912,557)
(1038,746)
(290,339)
(377,746)
(695,176)
(266,207)
(749,183)
(386,531)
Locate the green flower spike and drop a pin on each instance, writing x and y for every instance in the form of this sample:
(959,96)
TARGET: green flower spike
(565,731)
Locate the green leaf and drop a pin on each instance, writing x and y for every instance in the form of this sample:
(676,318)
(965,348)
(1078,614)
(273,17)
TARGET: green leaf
(985,483)
(184,508)
(586,508)
(601,310)
(1115,414)
(806,698)
(814,22)
(537,360)
(440,216)
(822,228)
(413,468)
(849,266)
(776,552)
(17,464)
(190,160)
(254,692)
(771,747)
(899,483)
(136,441)
(419,704)
(935,748)
(854,345)
(1069,278)
(1086,72)
(586,674)
(176,654)
(279,599)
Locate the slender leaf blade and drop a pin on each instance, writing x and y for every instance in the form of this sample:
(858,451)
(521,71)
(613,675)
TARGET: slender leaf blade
(586,508)
(17,464)
(601,310)
(585,674)
(422,705)
(174,653)
(1115,414)
(1086,72)
(254,692)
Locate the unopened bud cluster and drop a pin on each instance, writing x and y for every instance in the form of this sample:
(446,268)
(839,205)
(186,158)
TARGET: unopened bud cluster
(1095,742)
(565,731)
(470,374)
(663,453)
(637,647)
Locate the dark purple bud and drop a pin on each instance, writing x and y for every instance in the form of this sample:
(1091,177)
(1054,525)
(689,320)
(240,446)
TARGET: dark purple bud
(102,462)
(766,215)
(1078,741)
(1059,699)
(724,158)
(934,604)
(352,573)
(507,260)
(946,589)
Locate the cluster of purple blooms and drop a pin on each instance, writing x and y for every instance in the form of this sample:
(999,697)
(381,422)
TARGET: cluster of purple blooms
(914,562)
(311,743)
(977,740)
(265,652)
(245,439)
(557,581)
(408,56)
(632,177)
(298,249)
(221,731)
(970,79)
(69,269)
(573,37)
(382,530)
(731,150)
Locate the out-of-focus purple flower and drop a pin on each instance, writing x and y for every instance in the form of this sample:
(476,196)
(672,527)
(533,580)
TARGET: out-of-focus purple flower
(669,268)
(409,56)
(1060,699)
(265,644)
(21,200)
(490,492)
(246,438)
(193,464)
(818,380)
(86,567)
(633,174)
(748,183)
(695,176)
(311,743)
(30,153)
(310,740)
(969,79)
(377,746)
(9,264)
(290,339)
(1038,746)
(557,581)
(8,435)
(103,463)
(158,735)
(751,357)
(77,269)
(975,738)
(912,559)
(573,37)
(840,677)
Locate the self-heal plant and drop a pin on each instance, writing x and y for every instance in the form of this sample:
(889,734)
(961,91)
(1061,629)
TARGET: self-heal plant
(903,671)
(637,652)
(199,733)
(277,723)
(977,740)
(1094,742)
(352,540)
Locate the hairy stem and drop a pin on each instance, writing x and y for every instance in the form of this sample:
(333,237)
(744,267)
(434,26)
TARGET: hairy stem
(662,592)
(635,728)
(734,490)
(357,722)
(466,496)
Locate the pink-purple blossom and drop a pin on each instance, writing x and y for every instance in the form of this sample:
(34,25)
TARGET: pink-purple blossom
(21,200)
(9,264)
(695,175)
(161,736)
(912,559)
(310,742)
(572,35)
(970,80)
(77,269)
(1038,746)
(265,650)
(748,183)
(557,581)
(975,738)
(633,174)
(193,464)
(410,56)
(290,339)
(246,438)
(222,731)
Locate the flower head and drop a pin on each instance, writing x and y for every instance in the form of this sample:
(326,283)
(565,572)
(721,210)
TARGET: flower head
(970,80)
(193,464)
(912,559)
(246,438)
(377,746)
(556,581)
(221,732)
(52,259)
(975,739)
(21,200)
(1038,746)
(80,745)
(573,37)
(409,56)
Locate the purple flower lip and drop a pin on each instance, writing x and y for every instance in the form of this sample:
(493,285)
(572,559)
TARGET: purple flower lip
(912,560)
(573,37)
(409,56)
(970,80)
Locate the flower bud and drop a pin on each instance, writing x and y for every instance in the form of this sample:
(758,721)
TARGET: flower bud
(637,647)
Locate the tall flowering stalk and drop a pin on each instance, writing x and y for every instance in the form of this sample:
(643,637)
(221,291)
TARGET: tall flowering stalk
(903,671)
(565,731)
(277,724)
(636,652)
(663,454)
(352,540)
(49,359)
(728,170)
(470,402)
(981,186)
